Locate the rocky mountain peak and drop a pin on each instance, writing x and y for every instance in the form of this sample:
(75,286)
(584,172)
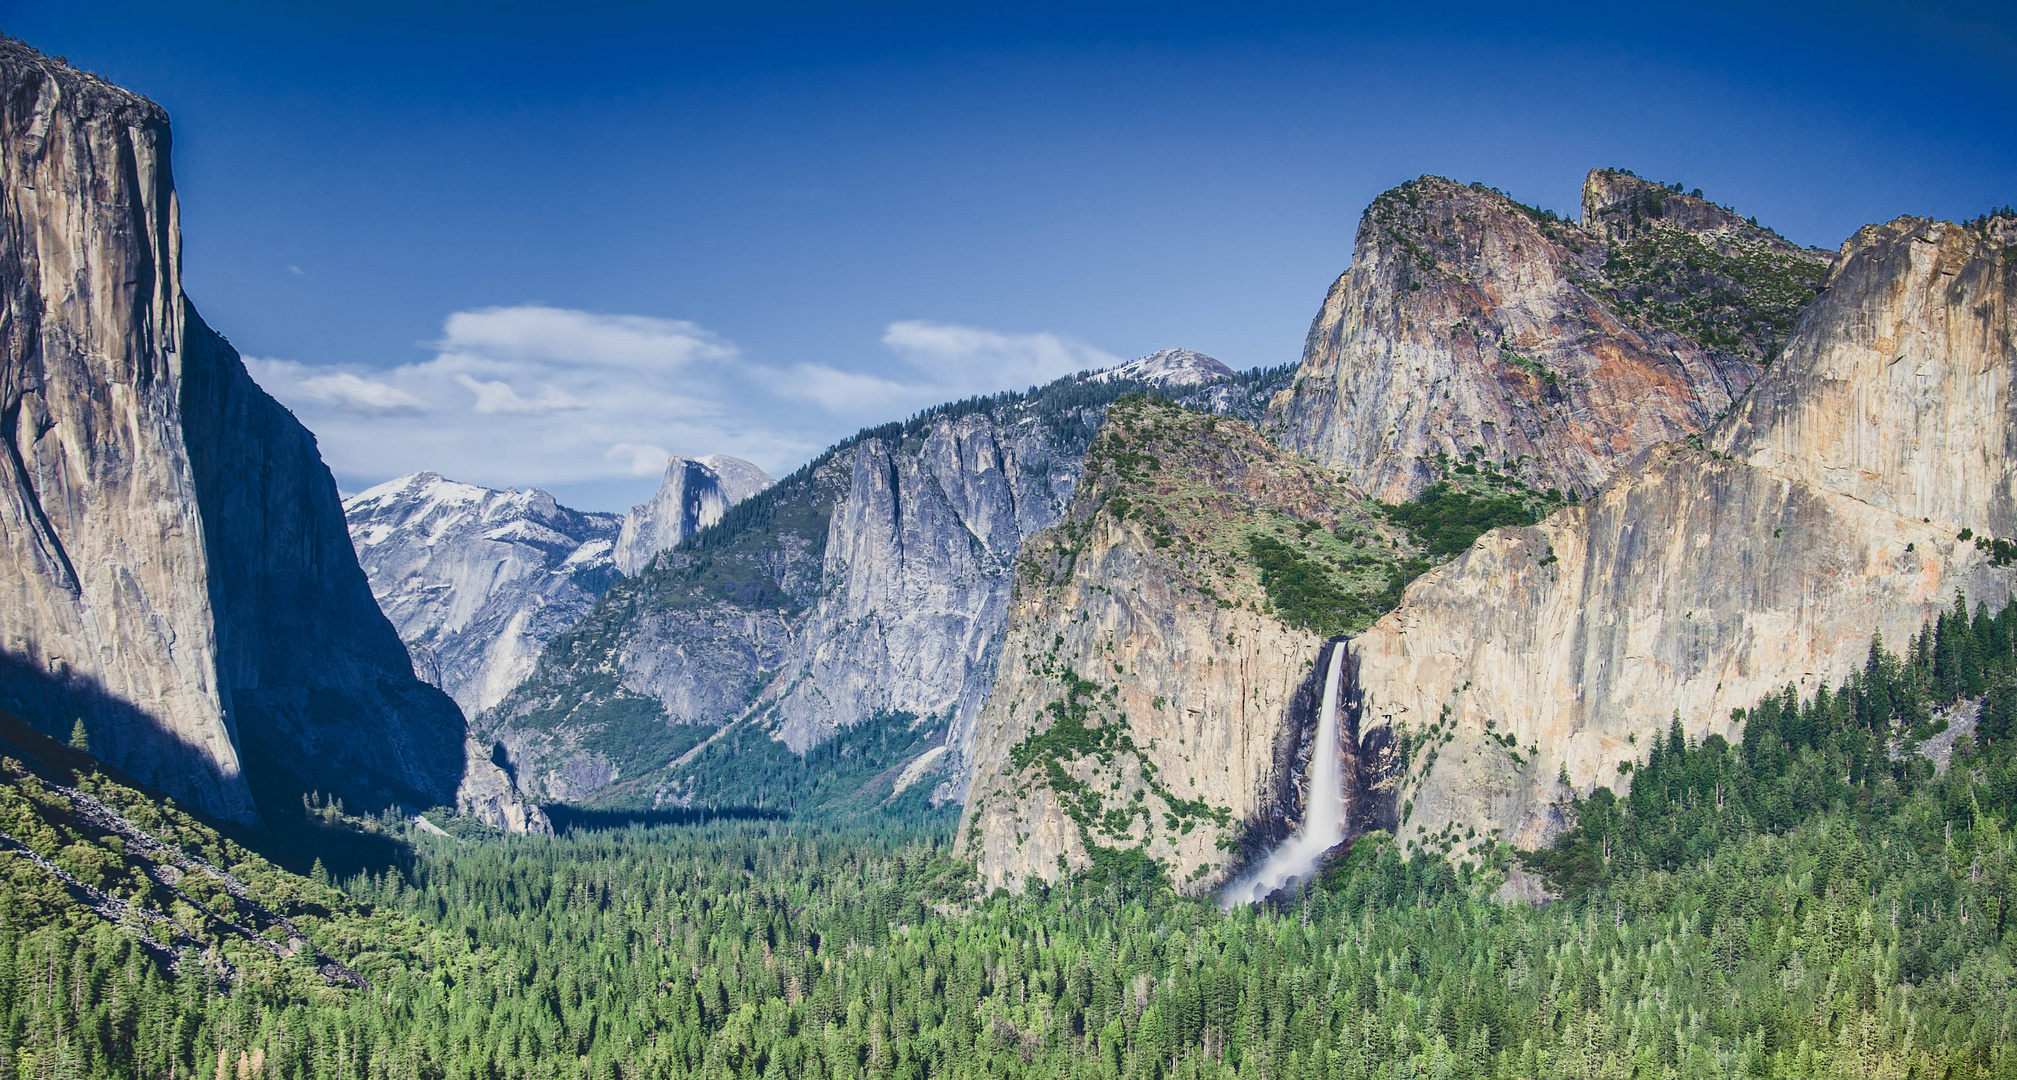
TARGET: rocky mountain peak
(694,494)
(1620,205)
(1169,367)
(1863,482)
(1440,227)
(449,504)
(477,580)
(1472,325)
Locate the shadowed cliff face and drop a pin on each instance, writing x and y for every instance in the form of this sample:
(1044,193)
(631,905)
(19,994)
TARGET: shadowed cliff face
(1559,349)
(1826,507)
(176,567)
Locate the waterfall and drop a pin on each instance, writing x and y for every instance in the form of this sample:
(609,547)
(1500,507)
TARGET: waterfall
(1323,825)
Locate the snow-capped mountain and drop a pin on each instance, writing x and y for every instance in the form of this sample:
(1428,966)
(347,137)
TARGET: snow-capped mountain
(1168,368)
(477,580)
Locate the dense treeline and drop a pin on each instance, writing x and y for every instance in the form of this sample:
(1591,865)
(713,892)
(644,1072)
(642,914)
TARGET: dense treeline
(854,774)
(1817,899)
(747,951)
(1852,753)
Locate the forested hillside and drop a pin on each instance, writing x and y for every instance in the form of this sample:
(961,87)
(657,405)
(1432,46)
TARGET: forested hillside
(1823,900)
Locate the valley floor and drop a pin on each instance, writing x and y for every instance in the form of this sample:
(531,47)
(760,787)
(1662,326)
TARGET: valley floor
(771,949)
(1820,900)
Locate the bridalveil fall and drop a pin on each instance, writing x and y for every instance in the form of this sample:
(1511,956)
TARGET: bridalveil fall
(1324,822)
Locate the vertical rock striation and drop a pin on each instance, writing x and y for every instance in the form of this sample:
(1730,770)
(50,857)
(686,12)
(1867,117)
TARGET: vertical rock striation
(873,581)
(1156,691)
(178,575)
(1471,323)
(1826,507)
(918,562)
(694,495)
(477,581)
(109,616)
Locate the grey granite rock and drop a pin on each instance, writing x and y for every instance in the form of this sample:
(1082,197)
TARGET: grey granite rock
(694,495)
(1824,509)
(176,571)
(873,580)
(1470,324)
(477,581)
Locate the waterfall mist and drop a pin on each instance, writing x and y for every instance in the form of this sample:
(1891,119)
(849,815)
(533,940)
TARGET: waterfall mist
(1324,823)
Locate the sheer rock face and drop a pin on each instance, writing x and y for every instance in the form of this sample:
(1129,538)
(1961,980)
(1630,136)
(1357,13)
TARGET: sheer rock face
(883,591)
(1469,321)
(1898,394)
(874,580)
(694,495)
(176,570)
(918,566)
(1169,644)
(108,613)
(476,581)
(1824,508)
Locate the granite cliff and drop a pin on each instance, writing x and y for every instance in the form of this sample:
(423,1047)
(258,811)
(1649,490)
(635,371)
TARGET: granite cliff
(476,581)
(871,583)
(1157,689)
(1855,491)
(178,575)
(694,495)
(1470,323)
(1858,487)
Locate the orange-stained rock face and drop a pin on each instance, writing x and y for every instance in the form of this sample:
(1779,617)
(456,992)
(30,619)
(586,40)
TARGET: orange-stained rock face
(1827,507)
(1468,322)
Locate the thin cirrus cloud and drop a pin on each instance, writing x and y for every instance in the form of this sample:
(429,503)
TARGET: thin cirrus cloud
(945,361)
(499,397)
(537,395)
(354,394)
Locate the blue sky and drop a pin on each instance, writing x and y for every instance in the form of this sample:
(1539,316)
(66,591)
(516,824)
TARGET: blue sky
(546,244)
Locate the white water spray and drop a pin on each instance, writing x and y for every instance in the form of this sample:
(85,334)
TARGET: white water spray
(1324,817)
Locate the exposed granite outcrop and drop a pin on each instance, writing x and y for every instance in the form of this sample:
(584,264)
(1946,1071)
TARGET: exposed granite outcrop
(874,580)
(1825,508)
(178,575)
(1469,321)
(108,614)
(694,495)
(477,581)
(1169,369)
(1152,693)
(918,560)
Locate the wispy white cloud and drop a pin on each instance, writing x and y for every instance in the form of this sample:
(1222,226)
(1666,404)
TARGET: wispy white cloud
(942,362)
(499,397)
(356,394)
(641,460)
(554,396)
(972,358)
(845,393)
(548,334)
